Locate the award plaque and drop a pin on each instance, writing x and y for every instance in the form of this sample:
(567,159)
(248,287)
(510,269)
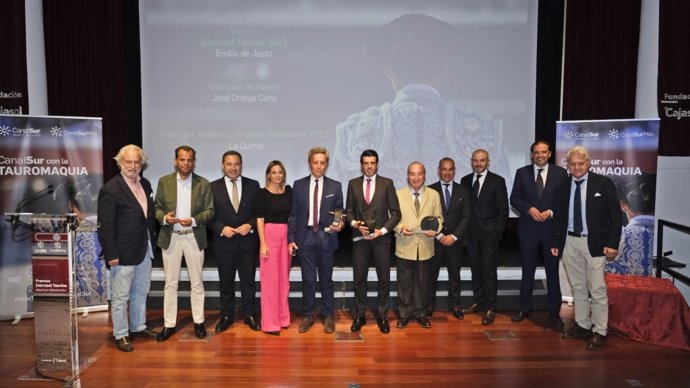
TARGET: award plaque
(429,223)
(338,215)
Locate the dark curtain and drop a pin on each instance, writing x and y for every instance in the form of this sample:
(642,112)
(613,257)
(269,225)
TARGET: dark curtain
(600,61)
(673,87)
(549,49)
(85,66)
(13,85)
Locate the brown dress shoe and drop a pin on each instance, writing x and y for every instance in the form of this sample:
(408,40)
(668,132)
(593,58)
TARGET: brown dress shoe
(596,342)
(577,332)
(124,344)
(329,324)
(306,324)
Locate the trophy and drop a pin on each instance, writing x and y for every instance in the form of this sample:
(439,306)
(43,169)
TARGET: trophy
(338,215)
(429,223)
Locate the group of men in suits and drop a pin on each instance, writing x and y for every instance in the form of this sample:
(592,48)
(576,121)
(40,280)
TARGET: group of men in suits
(472,217)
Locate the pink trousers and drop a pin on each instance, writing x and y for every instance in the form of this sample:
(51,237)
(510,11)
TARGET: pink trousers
(275,279)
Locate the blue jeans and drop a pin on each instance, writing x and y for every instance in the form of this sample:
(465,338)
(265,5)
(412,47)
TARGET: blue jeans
(130,283)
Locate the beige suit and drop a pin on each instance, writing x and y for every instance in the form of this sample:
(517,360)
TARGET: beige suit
(418,246)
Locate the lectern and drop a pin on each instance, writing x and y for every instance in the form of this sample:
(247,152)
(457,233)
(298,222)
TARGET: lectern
(54,300)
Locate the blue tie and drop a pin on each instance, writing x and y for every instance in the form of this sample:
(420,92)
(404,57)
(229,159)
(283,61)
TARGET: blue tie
(577,208)
(446,194)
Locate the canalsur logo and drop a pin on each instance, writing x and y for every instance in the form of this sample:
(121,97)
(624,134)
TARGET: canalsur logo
(56,131)
(4,130)
(614,134)
(568,135)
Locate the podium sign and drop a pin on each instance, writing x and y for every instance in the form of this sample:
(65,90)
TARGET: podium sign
(55,318)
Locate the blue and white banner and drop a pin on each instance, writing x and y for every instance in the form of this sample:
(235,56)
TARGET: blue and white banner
(626,151)
(50,165)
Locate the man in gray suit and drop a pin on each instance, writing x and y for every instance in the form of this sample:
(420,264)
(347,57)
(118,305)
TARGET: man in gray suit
(372,211)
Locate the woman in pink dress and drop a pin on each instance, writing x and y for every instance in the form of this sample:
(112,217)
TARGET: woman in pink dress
(273,207)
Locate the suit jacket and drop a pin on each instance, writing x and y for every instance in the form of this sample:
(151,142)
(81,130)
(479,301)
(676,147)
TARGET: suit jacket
(331,198)
(225,215)
(417,246)
(456,218)
(524,196)
(124,230)
(201,207)
(490,210)
(383,208)
(603,214)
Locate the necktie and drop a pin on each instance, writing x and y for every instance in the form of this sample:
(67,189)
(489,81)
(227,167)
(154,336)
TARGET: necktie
(315,208)
(577,208)
(367,192)
(416,203)
(540,183)
(446,195)
(235,195)
(475,187)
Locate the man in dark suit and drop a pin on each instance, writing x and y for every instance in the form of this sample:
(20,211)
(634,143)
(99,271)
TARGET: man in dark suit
(184,206)
(311,235)
(127,228)
(489,203)
(455,203)
(532,197)
(235,243)
(586,230)
(372,211)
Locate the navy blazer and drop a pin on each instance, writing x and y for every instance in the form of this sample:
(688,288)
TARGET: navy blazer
(524,196)
(124,231)
(603,214)
(331,198)
(490,210)
(225,215)
(456,218)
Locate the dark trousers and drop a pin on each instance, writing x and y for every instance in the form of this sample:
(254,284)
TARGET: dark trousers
(482,250)
(242,261)
(529,252)
(315,260)
(413,285)
(362,252)
(449,256)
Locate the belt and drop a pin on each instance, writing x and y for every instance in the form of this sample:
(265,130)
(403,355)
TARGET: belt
(184,231)
(573,234)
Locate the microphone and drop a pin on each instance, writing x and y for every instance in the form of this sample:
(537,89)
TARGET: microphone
(32,197)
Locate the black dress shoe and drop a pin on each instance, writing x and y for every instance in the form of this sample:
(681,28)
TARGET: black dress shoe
(429,312)
(489,317)
(146,333)
(124,344)
(384,327)
(402,323)
(521,315)
(200,330)
(596,342)
(457,313)
(224,323)
(253,323)
(276,333)
(357,324)
(577,332)
(166,333)
(556,322)
(423,322)
(475,308)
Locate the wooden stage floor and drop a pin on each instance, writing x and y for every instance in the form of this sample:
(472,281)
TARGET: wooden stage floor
(451,354)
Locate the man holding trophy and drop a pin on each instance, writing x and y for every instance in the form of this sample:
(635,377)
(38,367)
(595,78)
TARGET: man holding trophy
(372,211)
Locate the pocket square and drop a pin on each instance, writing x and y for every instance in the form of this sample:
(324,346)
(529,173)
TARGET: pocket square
(330,195)
(597,195)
